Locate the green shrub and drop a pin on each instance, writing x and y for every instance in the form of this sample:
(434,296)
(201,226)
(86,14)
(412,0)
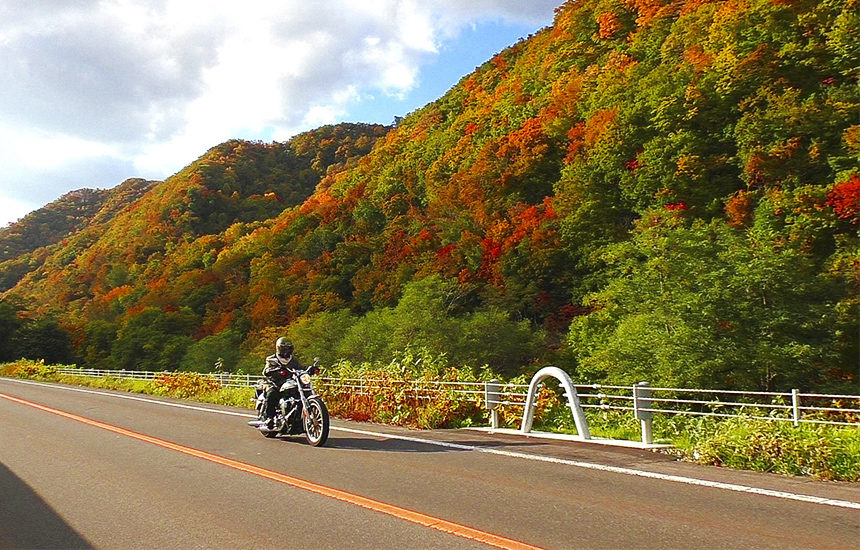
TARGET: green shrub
(184,385)
(395,394)
(821,451)
(109,383)
(26,368)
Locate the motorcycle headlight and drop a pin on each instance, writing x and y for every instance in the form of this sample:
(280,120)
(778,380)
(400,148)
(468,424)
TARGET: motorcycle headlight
(305,378)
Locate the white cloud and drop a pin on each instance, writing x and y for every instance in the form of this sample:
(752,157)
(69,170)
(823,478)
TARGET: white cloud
(154,83)
(42,149)
(13,209)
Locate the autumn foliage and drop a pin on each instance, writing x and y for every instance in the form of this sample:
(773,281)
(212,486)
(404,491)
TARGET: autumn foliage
(844,198)
(618,145)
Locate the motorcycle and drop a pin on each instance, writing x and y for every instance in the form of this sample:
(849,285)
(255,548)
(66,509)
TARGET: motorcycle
(300,409)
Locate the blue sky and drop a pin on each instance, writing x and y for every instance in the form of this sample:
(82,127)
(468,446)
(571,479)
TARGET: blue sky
(99,91)
(456,59)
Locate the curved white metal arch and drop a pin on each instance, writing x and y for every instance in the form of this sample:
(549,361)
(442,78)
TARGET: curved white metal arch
(572,400)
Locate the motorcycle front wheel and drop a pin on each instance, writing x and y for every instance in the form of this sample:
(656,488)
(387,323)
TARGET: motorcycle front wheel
(316,422)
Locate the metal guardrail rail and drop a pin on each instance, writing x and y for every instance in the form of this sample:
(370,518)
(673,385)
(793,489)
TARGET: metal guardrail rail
(794,406)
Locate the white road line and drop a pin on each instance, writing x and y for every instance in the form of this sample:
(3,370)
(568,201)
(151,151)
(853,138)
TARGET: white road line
(511,454)
(131,398)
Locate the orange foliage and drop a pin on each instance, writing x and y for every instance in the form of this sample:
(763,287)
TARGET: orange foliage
(264,312)
(609,25)
(499,62)
(565,94)
(696,56)
(588,133)
(598,124)
(563,21)
(116,293)
(576,139)
(739,209)
(648,10)
(525,145)
(321,204)
(223,323)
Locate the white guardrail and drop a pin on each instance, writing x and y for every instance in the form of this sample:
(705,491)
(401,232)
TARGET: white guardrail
(640,399)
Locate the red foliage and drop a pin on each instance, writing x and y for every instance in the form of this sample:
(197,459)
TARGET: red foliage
(681,205)
(445,251)
(491,249)
(549,212)
(560,321)
(397,250)
(575,136)
(844,199)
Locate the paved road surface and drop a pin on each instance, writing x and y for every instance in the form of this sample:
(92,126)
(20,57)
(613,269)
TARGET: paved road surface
(131,473)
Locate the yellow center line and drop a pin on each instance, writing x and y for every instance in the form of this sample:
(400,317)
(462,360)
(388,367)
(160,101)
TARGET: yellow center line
(412,516)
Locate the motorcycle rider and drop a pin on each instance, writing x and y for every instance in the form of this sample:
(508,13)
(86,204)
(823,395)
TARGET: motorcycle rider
(276,372)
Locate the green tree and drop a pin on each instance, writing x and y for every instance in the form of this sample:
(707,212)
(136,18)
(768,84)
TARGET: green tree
(154,340)
(43,339)
(706,305)
(96,348)
(9,324)
(202,355)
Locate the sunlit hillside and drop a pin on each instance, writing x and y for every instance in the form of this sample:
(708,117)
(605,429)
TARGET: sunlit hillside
(648,190)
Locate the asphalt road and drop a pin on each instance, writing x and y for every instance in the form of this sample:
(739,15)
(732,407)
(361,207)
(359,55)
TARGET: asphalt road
(131,473)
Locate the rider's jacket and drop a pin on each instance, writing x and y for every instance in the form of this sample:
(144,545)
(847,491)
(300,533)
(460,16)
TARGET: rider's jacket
(277,368)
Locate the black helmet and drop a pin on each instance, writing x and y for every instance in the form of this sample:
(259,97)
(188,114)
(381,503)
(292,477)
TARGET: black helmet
(283,347)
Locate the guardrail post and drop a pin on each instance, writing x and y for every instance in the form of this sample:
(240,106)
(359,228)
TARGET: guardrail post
(795,406)
(641,400)
(572,400)
(492,398)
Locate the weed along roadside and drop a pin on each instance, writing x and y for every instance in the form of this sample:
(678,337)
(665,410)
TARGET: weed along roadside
(750,442)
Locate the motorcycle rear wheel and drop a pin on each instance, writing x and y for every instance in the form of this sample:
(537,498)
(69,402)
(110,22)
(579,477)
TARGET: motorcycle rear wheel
(316,422)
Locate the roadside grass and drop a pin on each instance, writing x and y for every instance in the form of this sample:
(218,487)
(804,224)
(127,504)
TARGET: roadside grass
(176,385)
(814,450)
(822,452)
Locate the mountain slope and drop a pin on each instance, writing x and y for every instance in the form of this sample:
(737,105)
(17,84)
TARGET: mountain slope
(64,216)
(233,183)
(25,244)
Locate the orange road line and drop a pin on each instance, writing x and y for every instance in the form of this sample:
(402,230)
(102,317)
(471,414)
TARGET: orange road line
(344,496)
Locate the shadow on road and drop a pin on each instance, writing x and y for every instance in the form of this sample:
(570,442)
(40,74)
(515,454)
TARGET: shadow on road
(400,446)
(26,521)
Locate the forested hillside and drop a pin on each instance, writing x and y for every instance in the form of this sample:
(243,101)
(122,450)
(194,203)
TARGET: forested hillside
(24,244)
(657,190)
(66,215)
